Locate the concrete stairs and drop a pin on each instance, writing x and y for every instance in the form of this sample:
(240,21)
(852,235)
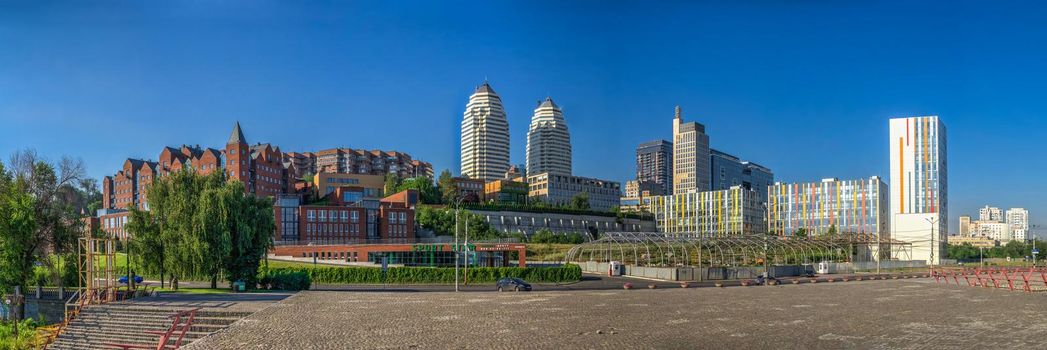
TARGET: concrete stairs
(98,325)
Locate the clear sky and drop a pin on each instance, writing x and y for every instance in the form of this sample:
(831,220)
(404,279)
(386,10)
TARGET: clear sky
(804,88)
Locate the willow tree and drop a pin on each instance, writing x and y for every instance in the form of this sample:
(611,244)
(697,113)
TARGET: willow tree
(202,226)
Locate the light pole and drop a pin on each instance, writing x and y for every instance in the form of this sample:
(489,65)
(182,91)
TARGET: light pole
(1032,236)
(466,247)
(932,221)
(457,208)
(981,256)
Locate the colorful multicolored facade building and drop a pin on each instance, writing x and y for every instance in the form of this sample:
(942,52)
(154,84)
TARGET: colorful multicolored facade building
(829,206)
(734,211)
(919,185)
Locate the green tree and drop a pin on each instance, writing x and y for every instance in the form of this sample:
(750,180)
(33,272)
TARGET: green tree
(203,226)
(442,222)
(251,234)
(580,201)
(147,246)
(39,217)
(800,232)
(392,182)
(448,190)
(832,230)
(426,190)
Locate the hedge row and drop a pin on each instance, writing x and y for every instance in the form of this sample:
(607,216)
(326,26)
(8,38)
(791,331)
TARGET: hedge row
(285,280)
(405,275)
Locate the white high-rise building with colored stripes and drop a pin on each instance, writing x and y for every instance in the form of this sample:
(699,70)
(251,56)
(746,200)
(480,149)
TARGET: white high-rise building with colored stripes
(485,136)
(919,185)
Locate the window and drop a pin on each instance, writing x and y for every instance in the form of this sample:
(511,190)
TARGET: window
(312,215)
(392,218)
(403,218)
(323,215)
(355,216)
(345,215)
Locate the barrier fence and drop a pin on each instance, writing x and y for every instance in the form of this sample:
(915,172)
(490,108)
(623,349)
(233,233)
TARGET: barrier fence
(1015,278)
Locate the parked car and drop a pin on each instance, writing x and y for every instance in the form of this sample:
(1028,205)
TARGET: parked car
(514,284)
(123,280)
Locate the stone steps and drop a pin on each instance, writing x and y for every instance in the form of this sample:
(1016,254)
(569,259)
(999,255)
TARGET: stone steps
(98,325)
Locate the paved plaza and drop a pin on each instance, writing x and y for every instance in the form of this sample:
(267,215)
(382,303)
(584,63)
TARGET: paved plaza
(883,314)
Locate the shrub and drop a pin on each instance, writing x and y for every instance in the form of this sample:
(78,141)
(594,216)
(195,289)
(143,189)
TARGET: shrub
(286,280)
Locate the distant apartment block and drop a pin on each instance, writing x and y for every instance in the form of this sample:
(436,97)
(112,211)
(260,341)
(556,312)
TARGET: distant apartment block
(965,225)
(558,189)
(637,195)
(1018,219)
(990,214)
(654,166)
(845,206)
(355,161)
(729,171)
(730,212)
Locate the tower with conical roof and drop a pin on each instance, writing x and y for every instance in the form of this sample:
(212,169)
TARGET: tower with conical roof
(485,136)
(238,157)
(548,141)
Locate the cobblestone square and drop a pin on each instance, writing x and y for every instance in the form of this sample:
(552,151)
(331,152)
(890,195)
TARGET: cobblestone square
(892,314)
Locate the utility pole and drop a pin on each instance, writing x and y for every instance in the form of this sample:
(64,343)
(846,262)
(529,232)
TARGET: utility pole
(981,256)
(932,221)
(457,207)
(466,248)
(1035,251)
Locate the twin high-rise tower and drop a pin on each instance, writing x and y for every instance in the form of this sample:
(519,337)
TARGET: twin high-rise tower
(485,138)
(548,141)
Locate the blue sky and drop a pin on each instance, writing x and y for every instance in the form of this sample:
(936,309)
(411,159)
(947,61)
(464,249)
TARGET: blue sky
(804,88)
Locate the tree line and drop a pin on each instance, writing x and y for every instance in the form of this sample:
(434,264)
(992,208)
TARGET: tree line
(42,205)
(1014,249)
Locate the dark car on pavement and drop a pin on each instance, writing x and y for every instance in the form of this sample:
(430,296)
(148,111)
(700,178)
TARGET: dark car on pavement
(514,284)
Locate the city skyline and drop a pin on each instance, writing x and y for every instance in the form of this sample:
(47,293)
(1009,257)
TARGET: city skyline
(118,109)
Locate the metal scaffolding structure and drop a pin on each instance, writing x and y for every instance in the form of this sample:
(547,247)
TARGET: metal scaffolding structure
(695,249)
(96,263)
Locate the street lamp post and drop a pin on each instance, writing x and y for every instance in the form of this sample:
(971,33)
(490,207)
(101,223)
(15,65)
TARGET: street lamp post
(457,209)
(466,248)
(1030,235)
(932,221)
(981,256)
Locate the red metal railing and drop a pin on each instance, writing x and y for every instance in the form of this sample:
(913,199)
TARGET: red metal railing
(180,324)
(1027,279)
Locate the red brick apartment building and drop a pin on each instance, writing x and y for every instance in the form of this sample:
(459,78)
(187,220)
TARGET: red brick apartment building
(259,167)
(354,161)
